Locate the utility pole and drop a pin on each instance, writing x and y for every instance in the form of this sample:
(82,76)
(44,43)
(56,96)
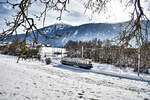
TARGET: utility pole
(82,51)
(61,52)
(139,60)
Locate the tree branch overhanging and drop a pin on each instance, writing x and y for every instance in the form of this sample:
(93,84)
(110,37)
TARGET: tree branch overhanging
(136,28)
(21,19)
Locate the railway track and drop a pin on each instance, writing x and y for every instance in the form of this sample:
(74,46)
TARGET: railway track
(122,76)
(112,74)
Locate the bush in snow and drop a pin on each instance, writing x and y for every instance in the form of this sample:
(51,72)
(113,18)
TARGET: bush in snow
(48,61)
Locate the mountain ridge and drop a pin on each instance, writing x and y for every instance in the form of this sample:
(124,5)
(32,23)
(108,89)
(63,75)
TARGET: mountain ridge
(64,32)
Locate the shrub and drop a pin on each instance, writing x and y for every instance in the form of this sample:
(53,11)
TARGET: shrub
(48,61)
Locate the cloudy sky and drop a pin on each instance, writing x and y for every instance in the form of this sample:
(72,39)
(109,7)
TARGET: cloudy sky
(116,12)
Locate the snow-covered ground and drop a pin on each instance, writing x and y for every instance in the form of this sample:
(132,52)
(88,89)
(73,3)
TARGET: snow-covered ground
(33,80)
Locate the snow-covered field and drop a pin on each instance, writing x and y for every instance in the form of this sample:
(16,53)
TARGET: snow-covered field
(33,80)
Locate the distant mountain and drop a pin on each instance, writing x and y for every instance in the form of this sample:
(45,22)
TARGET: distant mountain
(64,33)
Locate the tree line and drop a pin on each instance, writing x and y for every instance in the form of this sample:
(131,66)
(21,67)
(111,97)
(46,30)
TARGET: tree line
(106,52)
(16,47)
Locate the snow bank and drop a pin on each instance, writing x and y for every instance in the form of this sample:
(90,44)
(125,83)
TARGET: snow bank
(33,80)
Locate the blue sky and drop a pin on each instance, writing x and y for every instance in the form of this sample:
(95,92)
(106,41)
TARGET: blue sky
(116,12)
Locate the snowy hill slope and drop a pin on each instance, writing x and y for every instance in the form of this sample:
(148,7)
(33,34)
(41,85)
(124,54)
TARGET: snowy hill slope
(33,80)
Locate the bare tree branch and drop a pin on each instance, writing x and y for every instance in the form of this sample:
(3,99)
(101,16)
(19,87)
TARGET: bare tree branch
(137,27)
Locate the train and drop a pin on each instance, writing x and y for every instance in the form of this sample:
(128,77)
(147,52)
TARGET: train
(80,62)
